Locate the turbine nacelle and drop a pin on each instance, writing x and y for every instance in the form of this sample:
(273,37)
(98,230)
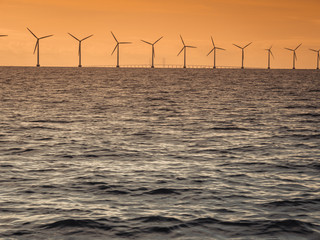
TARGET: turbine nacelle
(152,43)
(214,47)
(294,51)
(118,43)
(184,46)
(269,51)
(242,47)
(38,39)
(313,50)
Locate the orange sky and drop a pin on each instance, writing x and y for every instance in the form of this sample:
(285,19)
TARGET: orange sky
(281,23)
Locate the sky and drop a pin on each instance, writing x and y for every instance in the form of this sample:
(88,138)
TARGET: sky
(276,23)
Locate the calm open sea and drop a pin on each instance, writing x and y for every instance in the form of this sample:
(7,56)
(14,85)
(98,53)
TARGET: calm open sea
(102,153)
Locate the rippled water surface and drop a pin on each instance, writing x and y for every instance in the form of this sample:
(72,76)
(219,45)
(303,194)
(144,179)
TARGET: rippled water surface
(98,153)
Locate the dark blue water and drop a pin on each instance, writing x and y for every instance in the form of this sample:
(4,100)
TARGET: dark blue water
(98,153)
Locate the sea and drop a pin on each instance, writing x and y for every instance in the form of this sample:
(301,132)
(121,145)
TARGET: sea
(133,153)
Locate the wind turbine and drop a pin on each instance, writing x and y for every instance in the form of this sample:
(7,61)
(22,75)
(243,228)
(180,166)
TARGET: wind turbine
(242,48)
(214,52)
(294,55)
(318,56)
(118,48)
(37,46)
(269,53)
(185,51)
(153,54)
(80,40)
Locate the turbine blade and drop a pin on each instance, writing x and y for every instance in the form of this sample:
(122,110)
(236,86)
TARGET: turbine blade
(289,49)
(313,50)
(36,46)
(247,45)
(73,37)
(271,53)
(191,46)
(212,42)
(237,46)
(298,46)
(125,42)
(181,50)
(3,35)
(117,45)
(32,33)
(114,37)
(210,52)
(220,48)
(46,36)
(86,37)
(157,40)
(182,40)
(146,42)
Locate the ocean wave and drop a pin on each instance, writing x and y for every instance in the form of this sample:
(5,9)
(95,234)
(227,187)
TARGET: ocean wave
(18,150)
(156,218)
(163,191)
(52,121)
(230,129)
(293,203)
(76,223)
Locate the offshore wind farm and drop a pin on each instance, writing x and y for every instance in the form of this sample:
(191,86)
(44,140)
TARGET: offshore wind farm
(183,49)
(158,120)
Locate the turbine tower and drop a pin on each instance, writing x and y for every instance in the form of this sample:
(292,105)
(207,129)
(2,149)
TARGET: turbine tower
(242,48)
(118,48)
(318,56)
(269,53)
(185,51)
(80,40)
(294,55)
(37,46)
(153,54)
(214,52)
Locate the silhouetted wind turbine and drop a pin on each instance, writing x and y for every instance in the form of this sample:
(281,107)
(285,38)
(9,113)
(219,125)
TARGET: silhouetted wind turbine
(269,53)
(118,48)
(214,52)
(294,55)
(153,53)
(242,48)
(318,56)
(38,45)
(185,51)
(80,40)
